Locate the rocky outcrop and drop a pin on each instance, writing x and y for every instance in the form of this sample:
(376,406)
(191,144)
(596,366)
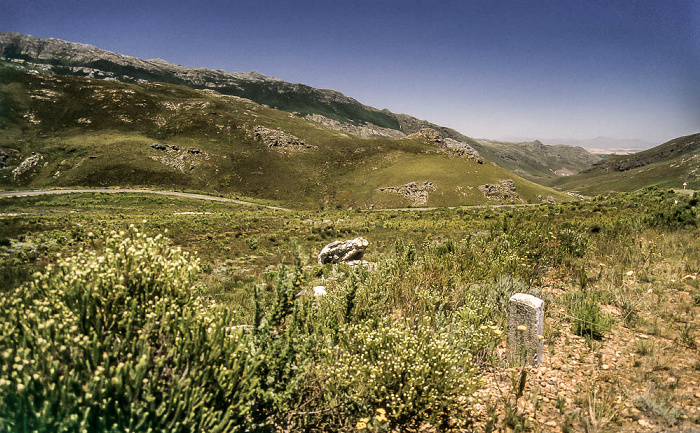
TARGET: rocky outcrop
(278,140)
(343,251)
(367,130)
(416,192)
(26,165)
(409,125)
(434,137)
(503,191)
(177,158)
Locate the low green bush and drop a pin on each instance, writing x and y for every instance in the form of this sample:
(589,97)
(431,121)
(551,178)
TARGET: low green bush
(121,342)
(587,319)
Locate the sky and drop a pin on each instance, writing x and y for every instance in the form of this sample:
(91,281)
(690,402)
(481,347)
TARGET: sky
(490,69)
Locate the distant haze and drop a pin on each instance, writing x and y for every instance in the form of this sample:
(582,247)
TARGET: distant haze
(552,68)
(618,145)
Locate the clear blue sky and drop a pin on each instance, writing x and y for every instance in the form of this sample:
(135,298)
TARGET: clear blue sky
(489,68)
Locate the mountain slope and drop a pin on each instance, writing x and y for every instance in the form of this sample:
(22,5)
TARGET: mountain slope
(328,108)
(535,161)
(69,58)
(667,165)
(76,131)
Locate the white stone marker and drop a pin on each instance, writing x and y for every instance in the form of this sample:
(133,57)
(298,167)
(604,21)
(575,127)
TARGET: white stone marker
(525,329)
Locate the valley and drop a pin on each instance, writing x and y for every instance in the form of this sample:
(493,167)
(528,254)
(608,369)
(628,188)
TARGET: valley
(161,230)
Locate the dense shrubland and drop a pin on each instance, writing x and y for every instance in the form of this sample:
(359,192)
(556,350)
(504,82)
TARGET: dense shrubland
(130,333)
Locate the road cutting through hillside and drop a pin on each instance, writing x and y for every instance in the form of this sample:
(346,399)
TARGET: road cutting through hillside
(137,191)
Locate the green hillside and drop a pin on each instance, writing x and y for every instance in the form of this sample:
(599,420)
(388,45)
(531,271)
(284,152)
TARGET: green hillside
(668,165)
(60,131)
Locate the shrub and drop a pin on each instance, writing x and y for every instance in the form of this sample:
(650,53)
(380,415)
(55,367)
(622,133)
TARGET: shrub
(587,320)
(121,342)
(414,372)
(573,242)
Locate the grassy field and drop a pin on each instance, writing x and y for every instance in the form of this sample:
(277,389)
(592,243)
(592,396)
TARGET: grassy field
(234,340)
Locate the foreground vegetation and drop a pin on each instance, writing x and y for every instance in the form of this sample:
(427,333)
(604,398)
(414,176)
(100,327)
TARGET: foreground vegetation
(136,312)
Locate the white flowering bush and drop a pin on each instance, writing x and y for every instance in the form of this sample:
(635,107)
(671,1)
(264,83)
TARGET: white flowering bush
(415,373)
(121,342)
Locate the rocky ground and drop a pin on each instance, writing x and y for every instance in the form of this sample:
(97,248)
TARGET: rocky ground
(643,376)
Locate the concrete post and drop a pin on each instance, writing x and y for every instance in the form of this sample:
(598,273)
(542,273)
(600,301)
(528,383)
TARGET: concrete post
(525,329)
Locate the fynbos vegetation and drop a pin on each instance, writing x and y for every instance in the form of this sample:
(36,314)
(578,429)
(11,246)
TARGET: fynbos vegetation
(132,332)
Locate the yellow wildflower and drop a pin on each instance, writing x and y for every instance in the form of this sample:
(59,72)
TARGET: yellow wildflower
(522,328)
(497,331)
(362,423)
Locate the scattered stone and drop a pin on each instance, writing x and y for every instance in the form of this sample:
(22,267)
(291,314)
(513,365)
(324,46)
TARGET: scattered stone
(320,291)
(194,151)
(548,200)
(504,192)
(277,139)
(343,251)
(416,192)
(644,423)
(525,326)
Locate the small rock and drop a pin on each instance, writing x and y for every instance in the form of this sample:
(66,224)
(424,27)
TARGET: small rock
(320,291)
(551,423)
(644,423)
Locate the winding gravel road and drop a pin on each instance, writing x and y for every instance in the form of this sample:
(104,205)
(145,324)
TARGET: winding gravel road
(136,191)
